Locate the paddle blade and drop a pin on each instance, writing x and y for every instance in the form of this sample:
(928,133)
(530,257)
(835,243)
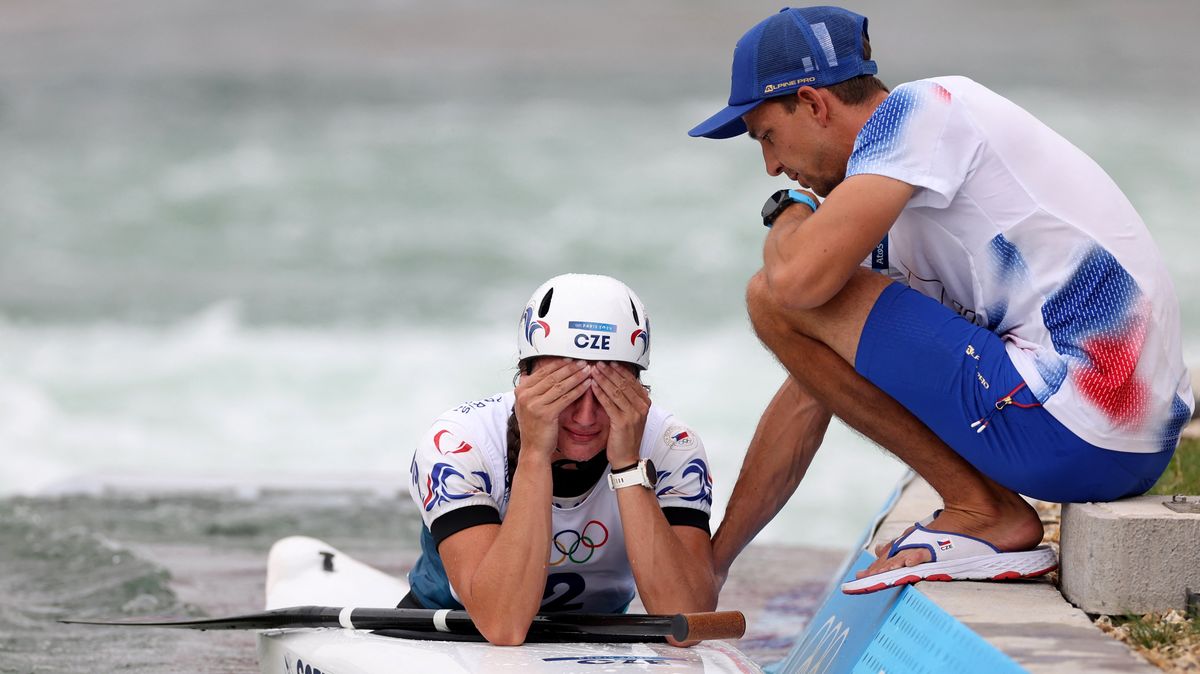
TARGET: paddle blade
(299,616)
(311,616)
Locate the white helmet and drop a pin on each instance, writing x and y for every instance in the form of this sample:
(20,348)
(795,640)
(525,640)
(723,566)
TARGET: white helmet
(585,316)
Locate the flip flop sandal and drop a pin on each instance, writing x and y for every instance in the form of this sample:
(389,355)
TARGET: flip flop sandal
(956,557)
(926,521)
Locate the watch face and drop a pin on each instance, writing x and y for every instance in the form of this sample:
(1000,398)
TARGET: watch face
(651,473)
(772,204)
(769,207)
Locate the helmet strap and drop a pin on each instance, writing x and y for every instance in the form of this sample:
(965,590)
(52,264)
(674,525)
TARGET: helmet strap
(574,478)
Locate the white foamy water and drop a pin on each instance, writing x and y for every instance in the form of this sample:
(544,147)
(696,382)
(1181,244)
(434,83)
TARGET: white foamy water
(272,244)
(212,399)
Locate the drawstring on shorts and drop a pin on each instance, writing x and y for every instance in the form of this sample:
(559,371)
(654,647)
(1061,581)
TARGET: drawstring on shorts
(1000,404)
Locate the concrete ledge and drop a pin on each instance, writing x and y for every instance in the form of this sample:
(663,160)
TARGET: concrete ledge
(1131,556)
(1029,621)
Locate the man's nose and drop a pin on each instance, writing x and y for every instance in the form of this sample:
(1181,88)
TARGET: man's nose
(774,167)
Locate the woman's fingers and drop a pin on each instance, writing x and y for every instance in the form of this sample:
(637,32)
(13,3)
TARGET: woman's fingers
(570,385)
(621,387)
(608,384)
(543,395)
(555,380)
(557,385)
(550,373)
(567,392)
(553,386)
(626,402)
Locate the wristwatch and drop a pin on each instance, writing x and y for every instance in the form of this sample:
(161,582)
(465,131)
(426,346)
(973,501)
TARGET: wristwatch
(777,203)
(640,474)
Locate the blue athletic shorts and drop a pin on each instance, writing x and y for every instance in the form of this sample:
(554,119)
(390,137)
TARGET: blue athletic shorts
(951,373)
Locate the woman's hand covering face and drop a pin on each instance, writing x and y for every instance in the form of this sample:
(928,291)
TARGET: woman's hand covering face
(627,404)
(542,396)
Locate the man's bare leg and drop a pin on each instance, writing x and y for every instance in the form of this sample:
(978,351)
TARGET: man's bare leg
(818,347)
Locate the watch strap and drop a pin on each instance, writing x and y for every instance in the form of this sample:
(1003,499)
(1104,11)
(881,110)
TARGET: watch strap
(781,201)
(632,476)
(802,198)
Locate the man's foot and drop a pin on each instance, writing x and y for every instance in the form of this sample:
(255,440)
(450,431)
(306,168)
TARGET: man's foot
(1013,526)
(882,549)
(957,557)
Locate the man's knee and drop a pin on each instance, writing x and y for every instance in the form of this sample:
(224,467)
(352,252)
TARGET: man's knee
(837,323)
(765,314)
(768,316)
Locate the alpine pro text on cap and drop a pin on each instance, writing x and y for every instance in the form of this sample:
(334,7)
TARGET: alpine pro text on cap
(810,46)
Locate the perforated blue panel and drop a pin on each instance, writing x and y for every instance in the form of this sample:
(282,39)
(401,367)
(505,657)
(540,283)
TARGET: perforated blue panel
(918,637)
(894,631)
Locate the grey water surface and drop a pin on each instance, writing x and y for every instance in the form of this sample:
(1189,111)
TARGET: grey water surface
(266,243)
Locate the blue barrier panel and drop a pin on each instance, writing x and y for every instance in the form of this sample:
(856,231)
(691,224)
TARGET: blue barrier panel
(842,629)
(897,631)
(920,638)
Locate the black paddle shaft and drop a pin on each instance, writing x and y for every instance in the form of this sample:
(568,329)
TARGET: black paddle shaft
(723,625)
(307,616)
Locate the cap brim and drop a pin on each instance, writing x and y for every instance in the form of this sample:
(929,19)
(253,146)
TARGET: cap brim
(725,124)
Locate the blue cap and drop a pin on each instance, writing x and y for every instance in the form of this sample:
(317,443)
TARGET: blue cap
(810,46)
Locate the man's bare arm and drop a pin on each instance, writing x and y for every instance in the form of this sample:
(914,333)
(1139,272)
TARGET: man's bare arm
(788,435)
(809,257)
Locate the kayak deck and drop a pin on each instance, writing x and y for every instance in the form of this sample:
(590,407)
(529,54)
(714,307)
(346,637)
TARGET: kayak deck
(303,571)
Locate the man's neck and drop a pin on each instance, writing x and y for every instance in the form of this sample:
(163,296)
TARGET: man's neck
(861,113)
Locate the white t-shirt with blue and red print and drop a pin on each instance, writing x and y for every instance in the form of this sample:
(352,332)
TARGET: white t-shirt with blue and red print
(1019,231)
(462,461)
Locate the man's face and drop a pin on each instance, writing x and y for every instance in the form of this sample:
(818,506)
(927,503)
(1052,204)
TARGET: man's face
(795,144)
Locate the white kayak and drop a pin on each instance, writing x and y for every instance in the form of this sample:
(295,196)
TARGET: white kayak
(304,571)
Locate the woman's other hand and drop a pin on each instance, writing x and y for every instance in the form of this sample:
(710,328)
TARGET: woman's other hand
(627,404)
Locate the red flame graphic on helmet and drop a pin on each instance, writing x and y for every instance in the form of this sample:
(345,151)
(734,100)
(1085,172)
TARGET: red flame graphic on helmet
(642,335)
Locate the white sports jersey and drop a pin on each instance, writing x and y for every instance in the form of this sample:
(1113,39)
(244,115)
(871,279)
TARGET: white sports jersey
(1019,231)
(462,461)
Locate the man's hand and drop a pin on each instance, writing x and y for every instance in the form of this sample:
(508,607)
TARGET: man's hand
(627,404)
(541,398)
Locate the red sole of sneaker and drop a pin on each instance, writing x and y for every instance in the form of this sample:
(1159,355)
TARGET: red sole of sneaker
(942,577)
(867,590)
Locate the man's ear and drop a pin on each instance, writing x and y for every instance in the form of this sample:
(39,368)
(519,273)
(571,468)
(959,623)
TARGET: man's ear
(812,103)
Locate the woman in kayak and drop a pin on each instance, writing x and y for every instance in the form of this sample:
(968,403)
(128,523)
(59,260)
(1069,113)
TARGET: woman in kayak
(570,491)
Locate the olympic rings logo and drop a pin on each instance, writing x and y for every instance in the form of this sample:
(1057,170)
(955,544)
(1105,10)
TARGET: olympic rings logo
(578,547)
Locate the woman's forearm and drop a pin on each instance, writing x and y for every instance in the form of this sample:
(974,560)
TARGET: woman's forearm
(672,575)
(507,587)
